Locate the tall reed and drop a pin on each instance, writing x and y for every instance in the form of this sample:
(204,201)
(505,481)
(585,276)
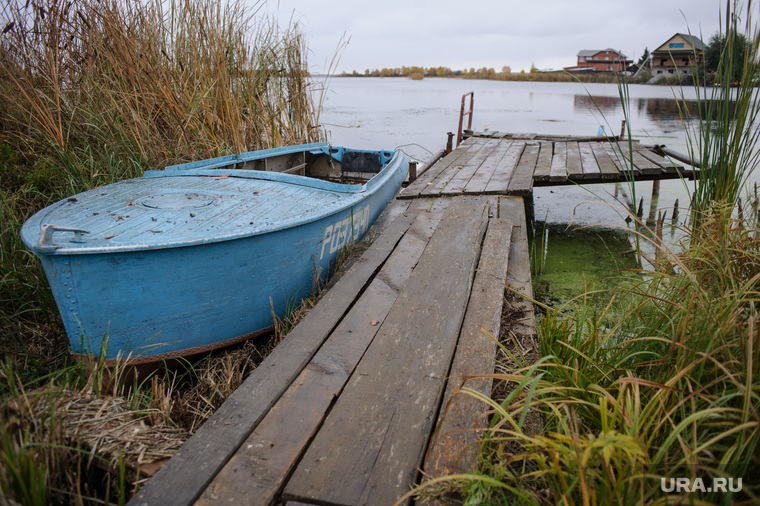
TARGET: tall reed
(152,83)
(663,384)
(724,135)
(91,92)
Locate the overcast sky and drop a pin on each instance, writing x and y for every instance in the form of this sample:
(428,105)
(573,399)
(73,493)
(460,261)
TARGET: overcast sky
(488,33)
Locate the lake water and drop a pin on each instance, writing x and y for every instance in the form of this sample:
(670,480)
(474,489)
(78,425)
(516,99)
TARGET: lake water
(374,113)
(399,111)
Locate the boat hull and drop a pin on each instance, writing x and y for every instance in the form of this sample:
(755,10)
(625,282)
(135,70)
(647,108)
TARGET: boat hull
(152,304)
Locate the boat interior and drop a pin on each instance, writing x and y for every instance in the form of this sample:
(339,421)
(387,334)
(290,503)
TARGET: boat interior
(330,163)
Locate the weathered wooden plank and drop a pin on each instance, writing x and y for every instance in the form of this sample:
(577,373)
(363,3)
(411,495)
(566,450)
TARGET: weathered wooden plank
(529,136)
(606,165)
(393,210)
(479,181)
(437,205)
(591,170)
(415,187)
(256,472)
(259,468)
(519,283)
(645,166)
(453,447)
(558,172)
(437,186)
(620,154)
(544,163)
(667,166)
(518,275)
(520,295)
(187,474)
(573,160)
(372,442)
(427,177)
(499,182)
(458,183)
(522,180)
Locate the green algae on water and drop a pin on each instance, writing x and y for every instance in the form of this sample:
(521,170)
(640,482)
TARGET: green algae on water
(575,261)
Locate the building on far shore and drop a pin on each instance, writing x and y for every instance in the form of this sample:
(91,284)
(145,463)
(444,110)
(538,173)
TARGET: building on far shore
(679,55)
(600,60)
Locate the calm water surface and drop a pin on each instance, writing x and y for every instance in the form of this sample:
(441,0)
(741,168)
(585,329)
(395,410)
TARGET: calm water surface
(415,116)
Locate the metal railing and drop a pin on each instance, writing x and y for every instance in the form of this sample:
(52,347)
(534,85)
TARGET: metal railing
(462,114)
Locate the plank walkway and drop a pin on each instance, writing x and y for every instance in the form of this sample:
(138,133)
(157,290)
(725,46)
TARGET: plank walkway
(359,402)
(504,165)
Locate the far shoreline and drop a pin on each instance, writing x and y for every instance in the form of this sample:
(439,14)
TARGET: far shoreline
(540,76)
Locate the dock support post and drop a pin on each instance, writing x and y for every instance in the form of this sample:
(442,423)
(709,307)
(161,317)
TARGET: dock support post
(529,209)
(654,202)
(412,171)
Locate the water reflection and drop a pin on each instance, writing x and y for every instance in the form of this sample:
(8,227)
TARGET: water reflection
(605,105)
(655,109)
(668,109)
(387,112)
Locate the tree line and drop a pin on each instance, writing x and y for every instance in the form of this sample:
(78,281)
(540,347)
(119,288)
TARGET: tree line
(735,44)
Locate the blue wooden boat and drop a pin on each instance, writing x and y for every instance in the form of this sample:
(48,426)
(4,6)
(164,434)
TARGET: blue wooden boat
(199,256)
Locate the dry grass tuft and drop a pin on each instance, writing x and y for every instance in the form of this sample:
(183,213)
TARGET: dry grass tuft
(205,386)
(60,426)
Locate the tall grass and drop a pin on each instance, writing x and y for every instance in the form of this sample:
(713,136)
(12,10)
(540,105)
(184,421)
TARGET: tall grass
(725,134)
(92,92)
(664,383)
(149,83)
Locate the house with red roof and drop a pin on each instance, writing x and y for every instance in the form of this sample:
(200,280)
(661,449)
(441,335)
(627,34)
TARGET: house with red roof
(600,60)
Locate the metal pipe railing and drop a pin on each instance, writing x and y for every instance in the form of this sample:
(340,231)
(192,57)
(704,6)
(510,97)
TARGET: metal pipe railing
(462,114)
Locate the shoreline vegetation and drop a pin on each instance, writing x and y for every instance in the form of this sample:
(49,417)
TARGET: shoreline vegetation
(661,384)
(710,71)
(93,92)
(419,73)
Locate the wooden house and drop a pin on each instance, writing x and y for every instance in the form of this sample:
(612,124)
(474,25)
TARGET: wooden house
(679,55)
(600,60)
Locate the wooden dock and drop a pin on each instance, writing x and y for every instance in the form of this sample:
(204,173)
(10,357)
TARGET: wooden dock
(359,401)
(500,164)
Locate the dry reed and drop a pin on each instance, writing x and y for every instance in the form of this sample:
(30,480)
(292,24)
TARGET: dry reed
(155,82)
(92,92)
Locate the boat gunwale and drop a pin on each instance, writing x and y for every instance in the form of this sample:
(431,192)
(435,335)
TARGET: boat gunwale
(223,161)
